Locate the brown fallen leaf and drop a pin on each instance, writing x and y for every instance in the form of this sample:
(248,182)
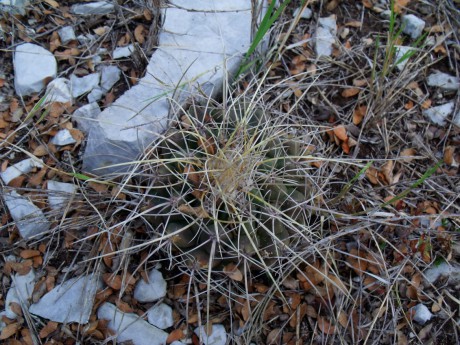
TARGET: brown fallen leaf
(175,335)
(29,253)
(340,132)
(9,330)
(325,326)
(449,156)
(232,271)
(399,5)
(139,33)
(387,171)
(350,92)
(372,175)
(49,328)
(408,154)
(358,114)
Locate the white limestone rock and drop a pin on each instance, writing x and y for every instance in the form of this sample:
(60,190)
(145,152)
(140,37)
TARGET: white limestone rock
(121,52)
(129,326)
(32,65)
(325,36)
(421,314)
(95,95)
(14,6)
(23,167)
(152,290)
(92,8)
(66,34)
(201,42)
(29,219)
(306,13)
(451,271)
(160,316)
(439,114)
(20,292)
(59,91)
(70,301)
(109,77)
(80,86)
(85,116)
(402,56)
(62,138)
(59,194)
(444,81)
(412,25)
(218,335)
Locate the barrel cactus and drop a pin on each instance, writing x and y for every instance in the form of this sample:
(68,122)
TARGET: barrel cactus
(226,184)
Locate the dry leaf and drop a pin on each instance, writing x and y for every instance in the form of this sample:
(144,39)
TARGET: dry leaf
(387,171)
(368,3)
(50,327)
(9,330)
(139,33)
(407,154)
(175,335)
(449,156)
(350,92)
(232,271)
(427,104)
(341,133)
(198,211)
(409,105)
(274,336)
(325,326)
(358,114)
(399,5)
(331,6)
(98,187)
(29,253)
(372,175)
(354,24)
(40,151)
(52,3)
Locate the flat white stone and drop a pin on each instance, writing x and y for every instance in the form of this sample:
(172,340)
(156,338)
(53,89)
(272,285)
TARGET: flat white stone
(121,52)
(80,86)
(109,76)
(59,194)
(62,138)
(152,290)
(306,13)
(160,316)
(90,8)
(451,271)
(20,292)
(29,219)
(32,65)
(23,167)
(412,25)
(444,81)
(95,95)
(200,43)
(14,6)
(70,301)
(439,114)
(85,116)
(325,36)
(59,91)
(402,56)
(66,34)
(218,335)
(421,314)
(129,326)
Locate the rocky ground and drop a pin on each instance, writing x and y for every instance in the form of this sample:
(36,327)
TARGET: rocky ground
(376,82)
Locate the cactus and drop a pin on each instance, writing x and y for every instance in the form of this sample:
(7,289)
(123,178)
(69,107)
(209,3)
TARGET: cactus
(228,184)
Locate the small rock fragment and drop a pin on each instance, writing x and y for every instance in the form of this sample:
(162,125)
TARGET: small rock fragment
(85,116)
(80,86)
(444,81)
(20,292)
(109,76)
(121,52)
(90,8)
(421,314)
(59,91)
(66,34)
(62,138)
(443,270)
(70,301)
(29,219)
(412,25)
(152,290)
(439,114)
(306,13)
(218,335)
(129,326)
(14,6)
(59,194)
(23,167)
(32,66)
(160,316)
(325,36)
(95,95)
(402,56)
